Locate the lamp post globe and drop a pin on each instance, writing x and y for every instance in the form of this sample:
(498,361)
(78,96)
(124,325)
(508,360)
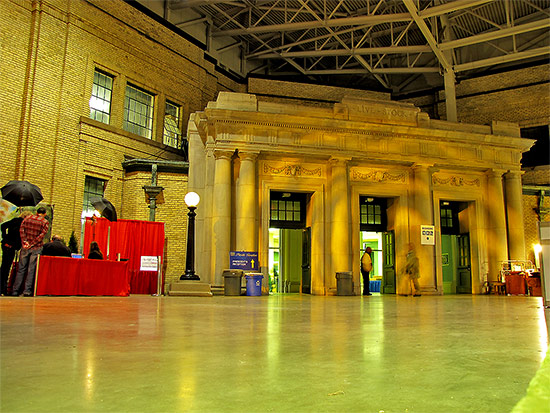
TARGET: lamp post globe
(191,199)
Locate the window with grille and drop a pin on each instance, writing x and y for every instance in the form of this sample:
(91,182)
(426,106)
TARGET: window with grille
(448,212)
(172,133)
(372,213)
(100,102)
(92,187)
(138,112)
(287,210)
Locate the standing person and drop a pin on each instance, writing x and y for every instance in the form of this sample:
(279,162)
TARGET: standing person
(32,231)
(366,268)
(56,248)
(412,269)
(95,253)
(11,243)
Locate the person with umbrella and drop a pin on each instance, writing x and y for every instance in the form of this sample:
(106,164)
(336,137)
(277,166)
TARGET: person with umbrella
(32,231)
(11,243)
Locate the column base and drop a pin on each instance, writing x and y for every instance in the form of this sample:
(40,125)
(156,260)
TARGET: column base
(190,289)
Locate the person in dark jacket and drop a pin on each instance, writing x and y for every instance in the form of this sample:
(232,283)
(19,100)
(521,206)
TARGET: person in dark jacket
(56,248)
(11,243)
(95,253)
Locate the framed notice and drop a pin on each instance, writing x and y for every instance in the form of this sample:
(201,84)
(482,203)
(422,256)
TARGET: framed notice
(427,235)
(149,263)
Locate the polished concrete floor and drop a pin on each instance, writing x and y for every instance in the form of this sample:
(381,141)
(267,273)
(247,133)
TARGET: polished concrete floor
(282,353)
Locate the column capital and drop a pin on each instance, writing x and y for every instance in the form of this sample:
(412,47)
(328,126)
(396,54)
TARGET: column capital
(248,155)
(336,160)
(223,154)
(495,173)
(514,174)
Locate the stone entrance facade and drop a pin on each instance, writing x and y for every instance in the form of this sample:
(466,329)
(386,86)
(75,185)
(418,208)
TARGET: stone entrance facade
(241,149)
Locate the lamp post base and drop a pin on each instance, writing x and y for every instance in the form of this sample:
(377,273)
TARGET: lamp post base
(190,288)
(188,276)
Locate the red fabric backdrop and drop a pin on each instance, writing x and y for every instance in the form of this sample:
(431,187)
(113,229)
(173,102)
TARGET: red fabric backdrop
(131,239)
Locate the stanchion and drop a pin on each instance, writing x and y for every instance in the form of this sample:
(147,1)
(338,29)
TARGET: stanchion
(36,274)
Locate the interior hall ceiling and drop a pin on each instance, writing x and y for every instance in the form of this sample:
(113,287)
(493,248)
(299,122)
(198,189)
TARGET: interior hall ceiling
(402,46)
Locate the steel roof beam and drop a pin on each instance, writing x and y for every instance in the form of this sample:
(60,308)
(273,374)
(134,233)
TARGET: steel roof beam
(541,51)
(498,34)
(349,21)
(427,34)
(349,52)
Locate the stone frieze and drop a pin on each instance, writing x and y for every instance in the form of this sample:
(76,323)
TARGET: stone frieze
(455,181)
(291,170)
(378,176)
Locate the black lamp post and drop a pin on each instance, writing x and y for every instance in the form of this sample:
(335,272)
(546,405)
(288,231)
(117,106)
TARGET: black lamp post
(191,200)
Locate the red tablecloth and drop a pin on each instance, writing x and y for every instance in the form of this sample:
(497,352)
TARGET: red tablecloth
(515,284)
(74,276)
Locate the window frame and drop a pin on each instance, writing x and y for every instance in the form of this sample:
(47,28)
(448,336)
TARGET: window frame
(98,94)
(133,109)
(285,199)
(375,203)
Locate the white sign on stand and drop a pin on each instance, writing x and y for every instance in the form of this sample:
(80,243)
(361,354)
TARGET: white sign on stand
(427,235)
(151,263)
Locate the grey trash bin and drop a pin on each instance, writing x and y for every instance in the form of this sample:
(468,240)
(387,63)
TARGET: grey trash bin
(344,283)
(232,282)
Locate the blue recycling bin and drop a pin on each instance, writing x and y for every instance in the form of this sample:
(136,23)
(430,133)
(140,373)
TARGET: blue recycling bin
(254,284)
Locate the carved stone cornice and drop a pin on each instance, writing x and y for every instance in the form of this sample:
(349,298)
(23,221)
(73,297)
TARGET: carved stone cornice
(292,170)
(378,176)
(455,181)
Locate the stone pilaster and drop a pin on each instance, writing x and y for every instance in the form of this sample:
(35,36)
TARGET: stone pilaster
(246,203)
(221,214)
(514,210)
(339,219)
(422,214)
(497,248)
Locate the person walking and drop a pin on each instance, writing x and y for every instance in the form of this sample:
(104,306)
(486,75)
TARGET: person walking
(32,232)
(366,268)
(412,269)
(11,243)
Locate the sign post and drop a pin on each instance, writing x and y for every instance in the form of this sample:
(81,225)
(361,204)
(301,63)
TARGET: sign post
(152,263)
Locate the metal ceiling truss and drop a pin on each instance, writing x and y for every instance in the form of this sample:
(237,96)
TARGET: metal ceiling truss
(386,40)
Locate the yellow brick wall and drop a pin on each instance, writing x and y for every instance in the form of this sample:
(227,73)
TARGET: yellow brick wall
(50,49)
(521,96)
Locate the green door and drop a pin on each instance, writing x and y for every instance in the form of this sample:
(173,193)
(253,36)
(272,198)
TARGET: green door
(388,266)
(464,281)
(306,261)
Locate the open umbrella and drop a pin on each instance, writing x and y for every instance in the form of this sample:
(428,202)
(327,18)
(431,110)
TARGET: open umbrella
(21,193)
(104,207)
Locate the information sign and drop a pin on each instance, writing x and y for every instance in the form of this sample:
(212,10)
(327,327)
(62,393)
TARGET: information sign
(427,235)
(149,263)
(243,260)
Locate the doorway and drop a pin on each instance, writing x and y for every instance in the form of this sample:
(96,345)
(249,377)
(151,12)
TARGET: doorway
(374,233)
(289,265)
(455,249)
(289,260)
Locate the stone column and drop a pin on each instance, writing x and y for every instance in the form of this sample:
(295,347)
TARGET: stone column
(514,210)
(497,248)
(422,215)
(221,214)
(339,220)
(245,204)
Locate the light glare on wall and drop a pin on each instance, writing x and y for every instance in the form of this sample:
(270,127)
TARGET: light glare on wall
(538,250)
